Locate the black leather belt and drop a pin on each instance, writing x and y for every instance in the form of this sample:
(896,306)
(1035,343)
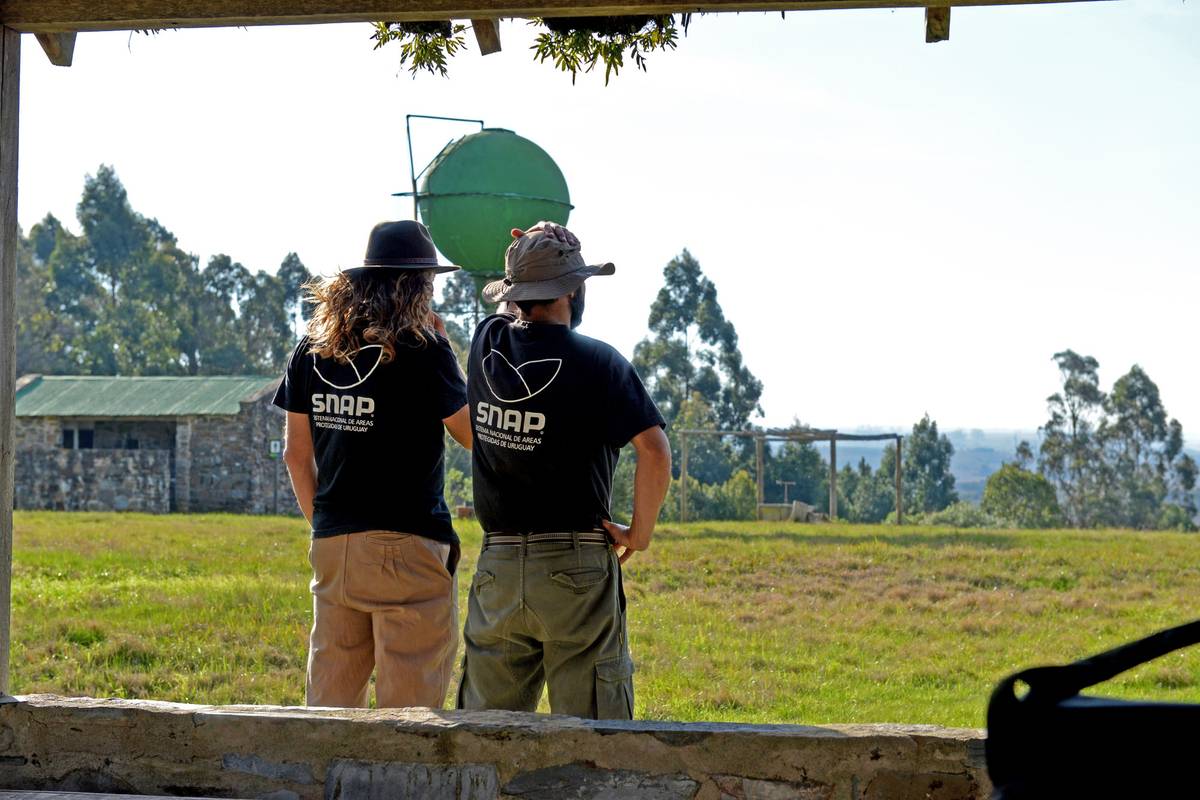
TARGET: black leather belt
(528,539)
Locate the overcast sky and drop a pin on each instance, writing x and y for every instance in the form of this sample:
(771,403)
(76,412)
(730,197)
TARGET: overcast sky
(894,227)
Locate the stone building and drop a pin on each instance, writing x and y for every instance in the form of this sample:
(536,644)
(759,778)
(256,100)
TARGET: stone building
(87,443)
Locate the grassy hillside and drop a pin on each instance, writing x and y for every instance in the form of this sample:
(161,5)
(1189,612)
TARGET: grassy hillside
(730,621)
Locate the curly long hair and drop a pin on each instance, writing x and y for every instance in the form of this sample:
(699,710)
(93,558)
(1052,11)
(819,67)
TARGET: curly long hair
(378,306)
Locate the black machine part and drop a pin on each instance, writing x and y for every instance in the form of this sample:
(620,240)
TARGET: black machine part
(1053,742)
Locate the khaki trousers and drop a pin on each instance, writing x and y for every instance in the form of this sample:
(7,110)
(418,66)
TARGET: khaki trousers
(386,601)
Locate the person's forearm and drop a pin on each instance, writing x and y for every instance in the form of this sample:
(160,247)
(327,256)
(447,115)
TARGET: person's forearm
(304,485)
(650,483)
(458,425)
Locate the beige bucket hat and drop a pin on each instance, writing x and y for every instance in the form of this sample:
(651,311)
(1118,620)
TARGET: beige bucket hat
(542,266)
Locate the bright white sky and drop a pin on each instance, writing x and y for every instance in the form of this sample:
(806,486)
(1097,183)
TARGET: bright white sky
(894,227)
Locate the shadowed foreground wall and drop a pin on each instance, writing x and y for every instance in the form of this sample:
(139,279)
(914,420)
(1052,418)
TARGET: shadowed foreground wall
(126,746)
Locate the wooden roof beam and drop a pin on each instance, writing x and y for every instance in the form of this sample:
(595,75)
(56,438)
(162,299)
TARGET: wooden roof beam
(487,35)
(59,47)
(60,16)
(937,24)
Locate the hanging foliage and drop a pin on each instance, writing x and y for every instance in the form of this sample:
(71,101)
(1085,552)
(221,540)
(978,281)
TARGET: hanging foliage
(578,44)
(423,45)
(573,44)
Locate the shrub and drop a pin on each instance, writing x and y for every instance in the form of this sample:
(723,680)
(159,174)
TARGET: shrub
(1021,498)
(1176,518)
(962,515)
(736,498)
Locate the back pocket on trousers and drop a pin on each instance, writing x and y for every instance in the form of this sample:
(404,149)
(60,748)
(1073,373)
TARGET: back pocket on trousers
(614,688)
(387,538)
(580,579)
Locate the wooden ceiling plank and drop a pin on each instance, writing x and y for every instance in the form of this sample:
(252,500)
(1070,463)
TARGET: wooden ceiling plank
(57,16)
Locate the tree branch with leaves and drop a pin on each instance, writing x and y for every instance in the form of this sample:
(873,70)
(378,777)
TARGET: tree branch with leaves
(571,44)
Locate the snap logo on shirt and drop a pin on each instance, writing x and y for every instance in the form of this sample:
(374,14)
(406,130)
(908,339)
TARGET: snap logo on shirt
(511,428)
(515,384)
(373,357)
(345,405)
(346,412)
(509,419)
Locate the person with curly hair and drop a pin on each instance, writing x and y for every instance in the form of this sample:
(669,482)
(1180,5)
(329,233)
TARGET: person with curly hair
(368,391)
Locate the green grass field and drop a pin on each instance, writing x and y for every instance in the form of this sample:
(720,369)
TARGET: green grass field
(762,622)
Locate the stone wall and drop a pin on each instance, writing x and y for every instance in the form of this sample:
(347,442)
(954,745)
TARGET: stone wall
(219,479)
(141,747)
(37,433)
(271,488)
(93,480)
(231,468)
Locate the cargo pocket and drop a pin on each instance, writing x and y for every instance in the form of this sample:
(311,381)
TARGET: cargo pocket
(580,579)
(482,580)
(614,688)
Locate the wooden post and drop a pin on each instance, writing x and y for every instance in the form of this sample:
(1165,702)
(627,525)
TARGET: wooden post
(10,76)
(487,35)
(758,475)
(59,47)
(937,24)
(899,488)
(683,447)
(833,478)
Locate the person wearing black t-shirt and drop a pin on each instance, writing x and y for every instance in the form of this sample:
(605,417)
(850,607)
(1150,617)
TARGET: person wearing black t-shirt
(367,394)
(550,411)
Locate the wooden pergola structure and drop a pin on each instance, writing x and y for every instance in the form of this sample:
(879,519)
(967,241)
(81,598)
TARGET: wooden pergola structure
(804,435)
(56,24)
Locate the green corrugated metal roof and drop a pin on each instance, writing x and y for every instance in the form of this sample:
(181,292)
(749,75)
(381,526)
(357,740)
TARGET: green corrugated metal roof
(102,396)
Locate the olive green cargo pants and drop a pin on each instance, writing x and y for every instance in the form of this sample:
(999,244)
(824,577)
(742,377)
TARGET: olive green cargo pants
(548,615)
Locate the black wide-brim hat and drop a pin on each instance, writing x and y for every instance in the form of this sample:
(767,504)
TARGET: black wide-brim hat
(404,244)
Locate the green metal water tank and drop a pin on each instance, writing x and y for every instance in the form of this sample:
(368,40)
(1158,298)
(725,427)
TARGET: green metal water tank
(482,186)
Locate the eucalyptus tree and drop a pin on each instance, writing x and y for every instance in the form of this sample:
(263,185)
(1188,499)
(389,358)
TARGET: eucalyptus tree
(123,298)
(1115,458)
(693,348)
(928,481)
(1071,454)
(1144,453)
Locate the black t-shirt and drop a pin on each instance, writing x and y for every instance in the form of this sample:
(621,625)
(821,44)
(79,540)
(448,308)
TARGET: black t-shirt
(550,410)
(377,435)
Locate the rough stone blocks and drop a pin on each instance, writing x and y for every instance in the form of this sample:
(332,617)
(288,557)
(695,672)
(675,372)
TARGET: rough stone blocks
(145,747)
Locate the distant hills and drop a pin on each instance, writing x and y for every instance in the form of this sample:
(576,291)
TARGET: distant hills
(977,454)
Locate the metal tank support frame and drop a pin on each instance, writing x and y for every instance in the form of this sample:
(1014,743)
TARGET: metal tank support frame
(413,174)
